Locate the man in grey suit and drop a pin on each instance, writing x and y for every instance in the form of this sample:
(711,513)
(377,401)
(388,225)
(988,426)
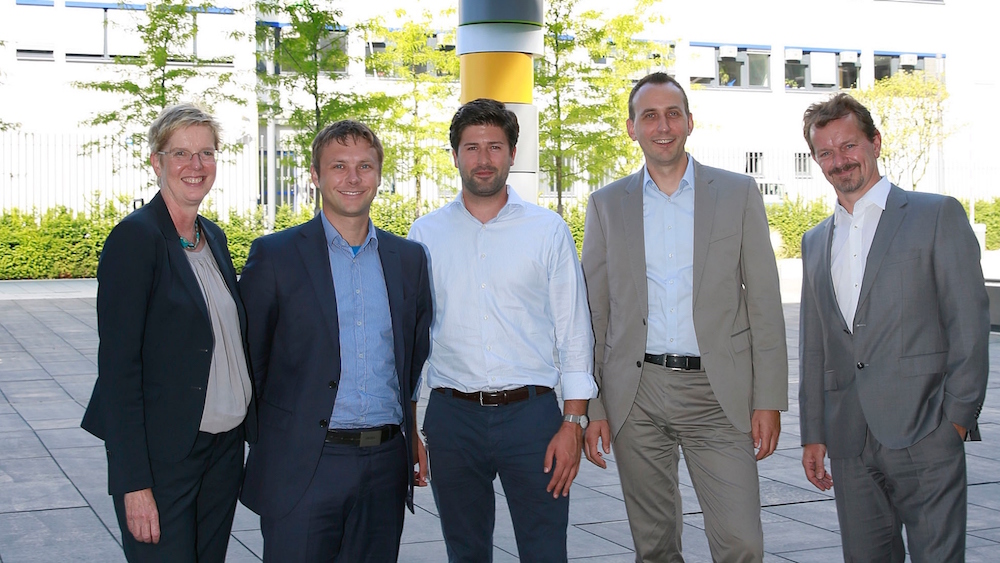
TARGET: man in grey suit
(690,336)
(892,349)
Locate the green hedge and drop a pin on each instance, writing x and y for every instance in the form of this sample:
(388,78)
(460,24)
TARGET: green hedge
(63,244)
(791,219)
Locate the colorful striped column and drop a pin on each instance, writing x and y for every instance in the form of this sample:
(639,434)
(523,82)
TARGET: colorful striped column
(496,44)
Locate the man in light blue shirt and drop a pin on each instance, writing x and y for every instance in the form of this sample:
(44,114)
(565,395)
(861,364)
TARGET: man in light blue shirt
(690,349)
(338,333)
(511,324)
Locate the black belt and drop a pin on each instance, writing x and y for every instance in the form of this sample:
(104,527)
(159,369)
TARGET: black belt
(363,438)
(496,398)
(674,361)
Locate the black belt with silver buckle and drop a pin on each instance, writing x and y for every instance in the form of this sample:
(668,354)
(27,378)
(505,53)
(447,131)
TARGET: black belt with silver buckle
(674,361)
(363,438)
(496,398)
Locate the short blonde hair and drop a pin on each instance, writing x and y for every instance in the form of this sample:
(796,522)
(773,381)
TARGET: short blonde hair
(178,117)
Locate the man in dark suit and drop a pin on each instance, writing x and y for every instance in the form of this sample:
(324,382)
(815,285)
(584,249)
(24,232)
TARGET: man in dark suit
(690,337)
(892,349)
(338,314)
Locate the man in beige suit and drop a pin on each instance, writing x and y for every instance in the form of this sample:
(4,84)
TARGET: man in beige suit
(690,337)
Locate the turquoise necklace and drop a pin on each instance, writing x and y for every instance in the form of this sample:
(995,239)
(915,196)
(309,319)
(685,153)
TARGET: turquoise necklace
(188,245)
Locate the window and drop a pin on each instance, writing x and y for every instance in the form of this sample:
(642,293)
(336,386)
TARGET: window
(755,164)
(803,165)
(820,70)
(731,66)
(887,64)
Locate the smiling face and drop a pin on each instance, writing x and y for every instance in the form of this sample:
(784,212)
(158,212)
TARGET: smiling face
(348,177)
(185,183)
(483,159)
(661,126)
(849,160)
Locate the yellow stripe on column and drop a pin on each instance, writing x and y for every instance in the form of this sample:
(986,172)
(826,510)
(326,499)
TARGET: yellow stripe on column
(506,77)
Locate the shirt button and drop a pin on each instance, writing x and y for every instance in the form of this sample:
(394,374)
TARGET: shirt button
(486,317)
(670,227)
(489,348)
(671,255)
(671,282)
(483,286)
(359,323)
(357,291)
(361,355)
(482,256)
(671,339)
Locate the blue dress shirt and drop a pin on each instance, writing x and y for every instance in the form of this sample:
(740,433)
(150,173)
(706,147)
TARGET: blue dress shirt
(668,231)
(368,393)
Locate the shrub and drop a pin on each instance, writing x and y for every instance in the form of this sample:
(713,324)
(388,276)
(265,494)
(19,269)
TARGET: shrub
(792,219)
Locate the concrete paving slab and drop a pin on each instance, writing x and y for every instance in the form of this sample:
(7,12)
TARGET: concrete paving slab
(21,444)
(35,484)
(63,535)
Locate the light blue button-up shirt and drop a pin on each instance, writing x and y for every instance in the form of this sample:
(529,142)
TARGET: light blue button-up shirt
(510,305)
(668,231)
(368,393)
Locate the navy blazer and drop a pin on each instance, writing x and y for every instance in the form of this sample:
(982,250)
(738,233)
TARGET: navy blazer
(294,341)
(156,345)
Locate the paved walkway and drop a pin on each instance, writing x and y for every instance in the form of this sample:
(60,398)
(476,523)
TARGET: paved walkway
(53,483)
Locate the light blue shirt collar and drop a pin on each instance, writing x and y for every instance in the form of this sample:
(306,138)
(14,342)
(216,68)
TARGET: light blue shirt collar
(686,181)
(334,239)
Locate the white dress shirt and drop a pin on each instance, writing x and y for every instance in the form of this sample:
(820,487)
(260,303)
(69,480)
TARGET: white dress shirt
(510,305)
(852,240)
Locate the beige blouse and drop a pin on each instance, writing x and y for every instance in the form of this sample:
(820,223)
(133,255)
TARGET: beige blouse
(228,394)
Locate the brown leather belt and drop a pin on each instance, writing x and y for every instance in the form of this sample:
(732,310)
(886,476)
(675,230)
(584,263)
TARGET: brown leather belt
(674,361)
(363,438)
(496,398)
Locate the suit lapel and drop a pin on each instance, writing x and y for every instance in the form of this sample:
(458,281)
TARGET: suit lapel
(705,195)
(315,255)
(634,238)
(824,281)
(176,255)
(888,224)
(392,272)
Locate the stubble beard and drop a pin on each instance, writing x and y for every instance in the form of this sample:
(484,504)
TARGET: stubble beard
(480,188)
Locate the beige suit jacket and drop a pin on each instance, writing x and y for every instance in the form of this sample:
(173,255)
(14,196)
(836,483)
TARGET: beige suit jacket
(738,318)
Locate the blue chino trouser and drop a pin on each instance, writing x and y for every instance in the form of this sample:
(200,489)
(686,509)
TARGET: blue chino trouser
(469,445)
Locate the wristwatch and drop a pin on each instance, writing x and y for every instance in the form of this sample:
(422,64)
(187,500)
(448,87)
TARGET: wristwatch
(580,419)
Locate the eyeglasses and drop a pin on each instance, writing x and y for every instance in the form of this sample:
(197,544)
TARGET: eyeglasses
(182,155)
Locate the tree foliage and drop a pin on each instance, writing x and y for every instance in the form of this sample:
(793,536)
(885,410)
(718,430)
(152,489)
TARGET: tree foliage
(908,109)
(424,65)
(583,81)
(308,58)
(161,74)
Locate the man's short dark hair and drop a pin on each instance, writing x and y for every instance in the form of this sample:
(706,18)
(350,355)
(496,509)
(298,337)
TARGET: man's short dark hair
(839,105)
(484,111)
(341,131)
(656,78)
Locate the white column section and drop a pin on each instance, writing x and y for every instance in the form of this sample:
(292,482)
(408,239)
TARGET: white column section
(524,173)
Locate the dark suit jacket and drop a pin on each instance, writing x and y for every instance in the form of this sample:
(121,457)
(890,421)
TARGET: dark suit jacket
(918,351)
(738,319)
(156,346)
(295,348)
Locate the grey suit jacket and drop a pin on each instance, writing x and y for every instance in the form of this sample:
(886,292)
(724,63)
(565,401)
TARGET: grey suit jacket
(918,351)
(738,319)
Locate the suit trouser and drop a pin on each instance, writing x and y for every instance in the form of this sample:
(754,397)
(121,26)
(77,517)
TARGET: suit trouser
(678,409)
(469,445)
(922,487)
(196,501)
(352,511)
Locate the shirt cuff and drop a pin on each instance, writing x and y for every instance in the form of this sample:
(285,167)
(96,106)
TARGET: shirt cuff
(578,385)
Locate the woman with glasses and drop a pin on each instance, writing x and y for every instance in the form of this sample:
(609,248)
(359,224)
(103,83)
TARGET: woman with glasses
(173,400)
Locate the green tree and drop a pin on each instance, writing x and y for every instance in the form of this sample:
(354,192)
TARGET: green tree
(307,60)
(425,67)
(584,79)
(908,109)
(165,72)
